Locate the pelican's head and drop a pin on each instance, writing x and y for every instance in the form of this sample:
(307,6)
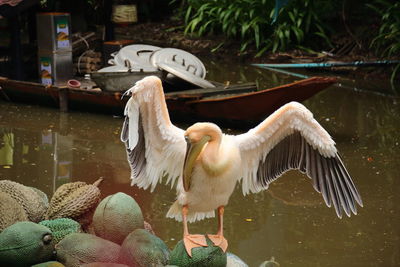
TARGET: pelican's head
(145,83)
(196,137)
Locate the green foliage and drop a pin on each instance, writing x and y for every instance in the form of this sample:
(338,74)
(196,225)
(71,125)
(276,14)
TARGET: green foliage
(252,22)
(387,42)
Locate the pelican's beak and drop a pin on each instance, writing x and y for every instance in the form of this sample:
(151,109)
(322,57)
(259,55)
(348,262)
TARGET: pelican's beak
(192,152)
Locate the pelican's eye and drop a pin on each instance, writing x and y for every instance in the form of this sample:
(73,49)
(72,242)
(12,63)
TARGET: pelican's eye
(187,138)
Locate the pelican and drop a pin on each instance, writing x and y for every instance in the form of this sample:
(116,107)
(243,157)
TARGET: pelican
(207,163)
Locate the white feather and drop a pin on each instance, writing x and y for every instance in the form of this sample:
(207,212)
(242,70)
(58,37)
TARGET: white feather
(164,143)
(132,111)
(238,157)
(255,145)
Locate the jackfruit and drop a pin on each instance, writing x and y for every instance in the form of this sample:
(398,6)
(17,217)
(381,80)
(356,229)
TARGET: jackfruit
(42,195)
(116,216)
(74,200)
(142,249)
(25,244)
(79,248)
(10,211)
(61,227)
(26,197)
(201,256)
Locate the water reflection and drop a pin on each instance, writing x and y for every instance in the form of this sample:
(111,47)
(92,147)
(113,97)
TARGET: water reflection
(228,72)
(44,148)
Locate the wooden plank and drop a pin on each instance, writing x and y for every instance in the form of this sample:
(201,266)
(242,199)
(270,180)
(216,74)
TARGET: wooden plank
(200,93)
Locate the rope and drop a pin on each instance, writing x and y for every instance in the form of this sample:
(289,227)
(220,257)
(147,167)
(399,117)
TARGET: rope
(80,57)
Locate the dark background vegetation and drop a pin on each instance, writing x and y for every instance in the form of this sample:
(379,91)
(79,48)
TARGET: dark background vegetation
(260,30)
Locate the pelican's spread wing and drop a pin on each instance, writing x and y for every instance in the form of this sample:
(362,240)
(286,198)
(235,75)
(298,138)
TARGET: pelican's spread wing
(155,147)
(292,139)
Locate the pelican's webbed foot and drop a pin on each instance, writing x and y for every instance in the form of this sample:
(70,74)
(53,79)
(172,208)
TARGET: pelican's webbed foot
(219,241)
(194,241)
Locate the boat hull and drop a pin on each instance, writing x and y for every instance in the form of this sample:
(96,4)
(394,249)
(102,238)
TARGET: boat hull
(251,108)
(240,109)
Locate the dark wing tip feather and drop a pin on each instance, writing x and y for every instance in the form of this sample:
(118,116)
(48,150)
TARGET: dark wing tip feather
(136,156)
(329,176)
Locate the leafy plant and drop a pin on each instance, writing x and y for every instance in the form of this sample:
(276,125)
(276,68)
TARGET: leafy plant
(255,23)
(387,42)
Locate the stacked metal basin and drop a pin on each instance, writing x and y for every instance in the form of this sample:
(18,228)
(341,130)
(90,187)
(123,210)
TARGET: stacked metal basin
(133,62)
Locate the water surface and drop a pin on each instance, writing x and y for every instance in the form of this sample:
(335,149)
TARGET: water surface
(44,148)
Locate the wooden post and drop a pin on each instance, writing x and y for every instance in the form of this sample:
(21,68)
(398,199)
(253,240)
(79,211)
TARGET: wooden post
(63,124)
(63,99)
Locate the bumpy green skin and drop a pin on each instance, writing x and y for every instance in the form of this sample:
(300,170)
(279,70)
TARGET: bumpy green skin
(61,227)
(25,244)
(116,217)
(234,261)
(201,256)
(140,248)
(49,264)
(79,248)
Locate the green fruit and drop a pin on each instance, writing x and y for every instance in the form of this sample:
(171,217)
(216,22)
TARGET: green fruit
(61,227)
(49,264)
(140,248)
(80,248)
(201,256)
(116,217)
(234,261)
(25,243)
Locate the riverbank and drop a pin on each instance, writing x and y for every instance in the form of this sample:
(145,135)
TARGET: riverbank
(171,34)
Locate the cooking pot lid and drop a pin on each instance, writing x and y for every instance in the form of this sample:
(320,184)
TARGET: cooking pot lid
(180,60)
(116,68)
(136,56)
(187,75)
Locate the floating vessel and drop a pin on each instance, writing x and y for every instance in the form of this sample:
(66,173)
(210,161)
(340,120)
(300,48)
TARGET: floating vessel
(238,104)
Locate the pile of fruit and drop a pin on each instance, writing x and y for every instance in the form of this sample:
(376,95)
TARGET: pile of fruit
(76,229)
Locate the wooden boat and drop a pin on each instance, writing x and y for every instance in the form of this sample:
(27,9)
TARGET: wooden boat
(234,105)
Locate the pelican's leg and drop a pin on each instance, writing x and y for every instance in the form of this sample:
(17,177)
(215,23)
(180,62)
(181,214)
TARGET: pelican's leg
(191,241)
(219,239)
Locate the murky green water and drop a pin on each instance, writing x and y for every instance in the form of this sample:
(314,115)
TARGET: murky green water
(43,148)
